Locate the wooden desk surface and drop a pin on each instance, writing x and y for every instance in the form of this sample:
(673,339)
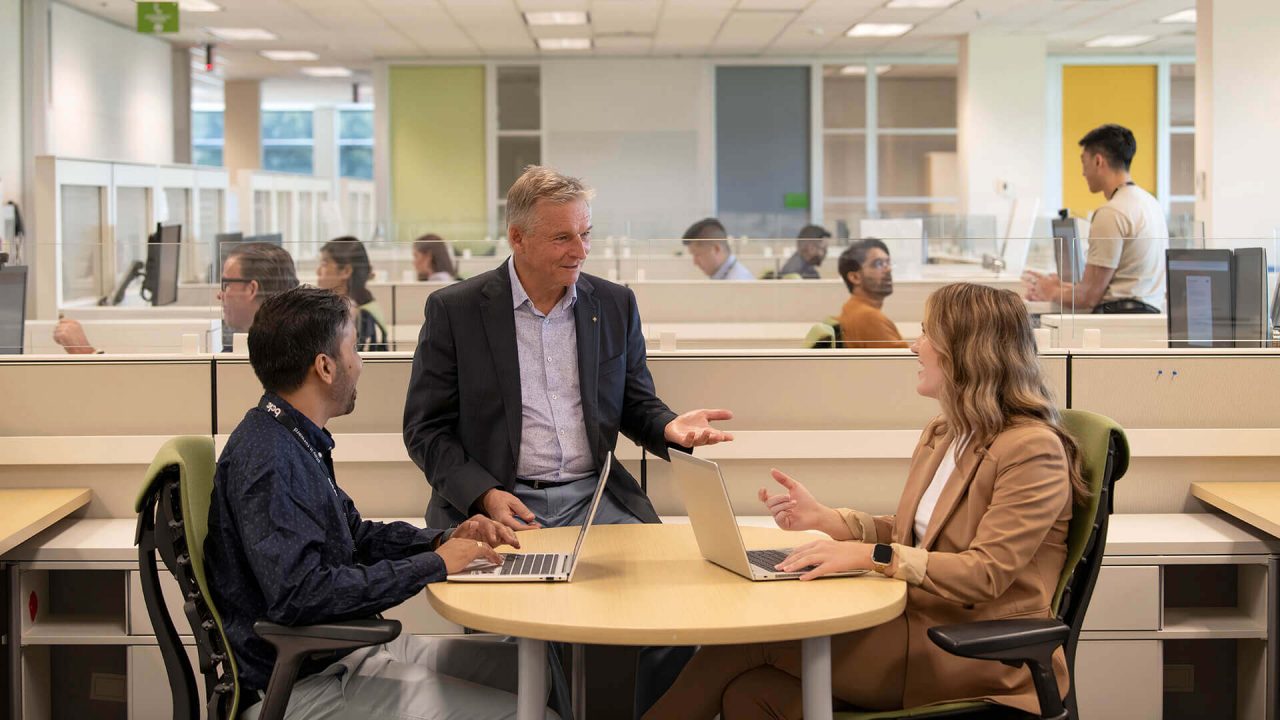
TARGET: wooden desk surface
(648,585)
(1257,503)
(28,511)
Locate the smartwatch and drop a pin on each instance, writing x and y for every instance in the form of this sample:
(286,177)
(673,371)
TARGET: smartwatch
(881,557)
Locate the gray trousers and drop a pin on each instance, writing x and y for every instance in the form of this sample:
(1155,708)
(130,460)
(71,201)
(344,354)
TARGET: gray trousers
(412,678)
(567,504)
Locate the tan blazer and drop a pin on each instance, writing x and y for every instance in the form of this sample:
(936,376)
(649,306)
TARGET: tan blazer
(995,548)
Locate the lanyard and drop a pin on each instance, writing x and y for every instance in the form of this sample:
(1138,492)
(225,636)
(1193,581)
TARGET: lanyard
(284,419)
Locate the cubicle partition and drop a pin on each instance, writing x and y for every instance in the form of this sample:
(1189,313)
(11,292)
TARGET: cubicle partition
(1181,590)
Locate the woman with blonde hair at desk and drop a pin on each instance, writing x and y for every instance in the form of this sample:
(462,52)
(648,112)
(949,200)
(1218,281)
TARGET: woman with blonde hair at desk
(980,533)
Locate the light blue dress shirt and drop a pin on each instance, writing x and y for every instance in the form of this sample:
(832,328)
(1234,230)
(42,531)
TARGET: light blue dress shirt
(731,269)
(553,433)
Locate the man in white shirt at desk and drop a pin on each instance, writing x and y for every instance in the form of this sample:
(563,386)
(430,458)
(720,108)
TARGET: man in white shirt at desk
(1124,270)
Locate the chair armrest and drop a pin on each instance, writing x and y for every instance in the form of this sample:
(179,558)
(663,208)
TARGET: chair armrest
(1001,639)
(1017,642)
(344,635)
(295,644)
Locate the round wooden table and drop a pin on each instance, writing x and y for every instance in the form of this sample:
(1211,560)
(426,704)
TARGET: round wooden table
(648,585)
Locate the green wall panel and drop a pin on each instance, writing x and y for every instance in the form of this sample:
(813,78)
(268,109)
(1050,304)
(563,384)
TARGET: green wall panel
(438,152)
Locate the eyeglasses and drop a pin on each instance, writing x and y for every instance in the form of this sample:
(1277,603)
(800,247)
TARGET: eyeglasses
(227,281)
(880,264)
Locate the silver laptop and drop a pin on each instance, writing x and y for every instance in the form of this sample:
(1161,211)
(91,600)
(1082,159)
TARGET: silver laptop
(538,567)
(706,499)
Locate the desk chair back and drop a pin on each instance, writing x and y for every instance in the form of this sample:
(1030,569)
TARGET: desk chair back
(824,335)
(173,518)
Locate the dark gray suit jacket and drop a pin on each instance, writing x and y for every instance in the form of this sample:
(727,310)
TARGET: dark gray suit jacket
(462,416)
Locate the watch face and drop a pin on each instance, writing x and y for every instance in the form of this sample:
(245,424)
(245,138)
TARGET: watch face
(882,554)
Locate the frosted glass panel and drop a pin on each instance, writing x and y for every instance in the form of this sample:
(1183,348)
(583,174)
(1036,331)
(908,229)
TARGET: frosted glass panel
(904,169)
(519,103)
(844,165)
(131,228)
(81,242)
(514,153)
(306,227)
(918,96)
(1182,95)
(179,201)
(844,101)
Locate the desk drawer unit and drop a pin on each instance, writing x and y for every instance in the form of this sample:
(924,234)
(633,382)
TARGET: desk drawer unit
(1126,597)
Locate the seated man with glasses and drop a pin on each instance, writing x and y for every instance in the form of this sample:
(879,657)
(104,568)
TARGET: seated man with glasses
(867,271)
(252,273)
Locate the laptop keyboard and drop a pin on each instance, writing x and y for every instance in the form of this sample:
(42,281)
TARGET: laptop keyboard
(528,564)
(767,559)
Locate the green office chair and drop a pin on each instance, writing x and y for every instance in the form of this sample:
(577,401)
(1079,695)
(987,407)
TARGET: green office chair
(173,517)
(824,335)
(1104,453)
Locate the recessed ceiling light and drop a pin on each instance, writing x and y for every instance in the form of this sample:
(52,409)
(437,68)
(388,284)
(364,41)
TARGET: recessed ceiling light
(879,29)
(1119,41)
(920,4)
(326,72)
(862,69)
(289,55)
(573,17)
(198,6)
(564,43)
(241,33)
(1182,16)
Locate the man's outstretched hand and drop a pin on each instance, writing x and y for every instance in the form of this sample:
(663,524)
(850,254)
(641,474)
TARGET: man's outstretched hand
(693,429)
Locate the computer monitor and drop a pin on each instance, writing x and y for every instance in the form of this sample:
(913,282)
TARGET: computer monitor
(1275,305)
(1200,298)
(1066,249)
(13,308)
(160,286)
(1250,318)
(270,238)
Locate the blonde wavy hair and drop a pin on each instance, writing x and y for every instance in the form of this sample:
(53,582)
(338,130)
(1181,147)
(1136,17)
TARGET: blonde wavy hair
(992,379)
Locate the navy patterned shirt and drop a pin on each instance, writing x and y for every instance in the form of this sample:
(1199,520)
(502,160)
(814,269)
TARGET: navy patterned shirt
(287,545)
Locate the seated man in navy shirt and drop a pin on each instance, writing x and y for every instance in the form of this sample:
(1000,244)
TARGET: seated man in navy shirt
(286,543)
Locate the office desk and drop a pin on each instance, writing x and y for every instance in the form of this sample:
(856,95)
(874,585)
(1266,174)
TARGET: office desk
(28,511)
(1258,504)
(648,585)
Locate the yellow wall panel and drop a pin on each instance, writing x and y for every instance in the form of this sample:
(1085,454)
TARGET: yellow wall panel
(1093,95)
(438,152)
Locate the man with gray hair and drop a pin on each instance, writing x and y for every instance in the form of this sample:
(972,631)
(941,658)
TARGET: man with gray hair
(524,376)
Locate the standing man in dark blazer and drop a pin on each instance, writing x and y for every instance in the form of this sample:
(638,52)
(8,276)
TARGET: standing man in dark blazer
(524,376)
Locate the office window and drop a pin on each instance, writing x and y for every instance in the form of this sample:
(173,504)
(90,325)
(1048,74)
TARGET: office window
(288,140)
(355,143)
(519,140)
(889,141)
(207,137)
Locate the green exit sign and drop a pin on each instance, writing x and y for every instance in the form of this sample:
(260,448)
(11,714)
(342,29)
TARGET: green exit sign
(157,17)
(795,201)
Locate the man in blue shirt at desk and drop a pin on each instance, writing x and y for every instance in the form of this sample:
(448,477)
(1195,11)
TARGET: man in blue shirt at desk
(287,544)
(709,247)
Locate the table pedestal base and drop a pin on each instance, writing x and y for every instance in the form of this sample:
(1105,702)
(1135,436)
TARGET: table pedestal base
(531,702)
(815,677)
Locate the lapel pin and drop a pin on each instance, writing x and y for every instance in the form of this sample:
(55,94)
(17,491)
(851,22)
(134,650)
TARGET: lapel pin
(593,318)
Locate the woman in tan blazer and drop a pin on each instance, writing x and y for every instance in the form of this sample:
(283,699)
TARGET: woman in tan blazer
(980,533)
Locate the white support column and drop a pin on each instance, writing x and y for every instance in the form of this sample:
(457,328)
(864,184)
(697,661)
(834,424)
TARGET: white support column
(1001,123)
(242,123)
(11,112)
(37,98)
(180,57)
(1237,93)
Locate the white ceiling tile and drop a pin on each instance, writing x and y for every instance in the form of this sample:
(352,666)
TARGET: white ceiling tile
(771,4)
(751,31)
(619,16)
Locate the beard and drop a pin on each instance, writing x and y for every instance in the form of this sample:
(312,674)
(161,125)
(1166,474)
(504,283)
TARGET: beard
(344,392)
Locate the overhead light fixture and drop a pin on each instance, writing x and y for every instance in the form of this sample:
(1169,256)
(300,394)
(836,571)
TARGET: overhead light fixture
(1182,16)
(570,17)
(241,33)
(1119,41)
(564,43)
(862,69)
(289,55)
(920,4)
(879,29)
(327,72)
(198,6)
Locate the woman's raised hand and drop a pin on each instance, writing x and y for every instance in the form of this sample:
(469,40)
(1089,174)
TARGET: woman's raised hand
(796,509)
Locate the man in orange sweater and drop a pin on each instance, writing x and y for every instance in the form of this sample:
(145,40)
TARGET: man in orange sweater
(867,271)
